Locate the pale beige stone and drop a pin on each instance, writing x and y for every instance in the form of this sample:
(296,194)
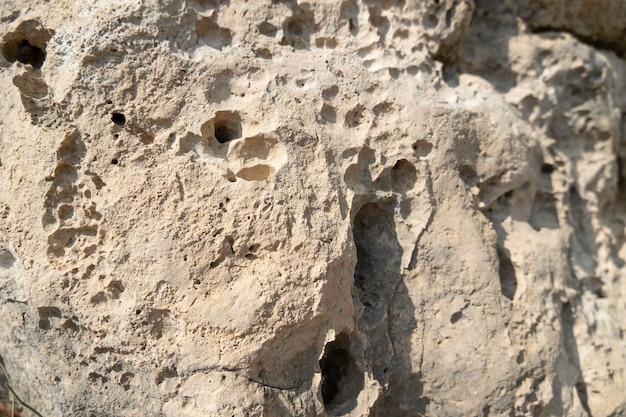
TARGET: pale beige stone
(281,208)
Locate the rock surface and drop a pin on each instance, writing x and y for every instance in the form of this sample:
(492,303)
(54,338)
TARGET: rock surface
(272,208)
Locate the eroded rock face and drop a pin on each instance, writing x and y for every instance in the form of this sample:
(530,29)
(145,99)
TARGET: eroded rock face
(272,208)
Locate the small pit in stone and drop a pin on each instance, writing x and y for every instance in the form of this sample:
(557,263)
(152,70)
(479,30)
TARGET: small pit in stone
(118,118)
(65,212)
(456,317)
(267,29)
(403,176)
(7,260)
(547,168)
(508,278)
(341,378)
(227,126)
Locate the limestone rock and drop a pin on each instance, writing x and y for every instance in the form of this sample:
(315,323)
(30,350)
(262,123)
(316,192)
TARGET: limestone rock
(336,208)
(600,22)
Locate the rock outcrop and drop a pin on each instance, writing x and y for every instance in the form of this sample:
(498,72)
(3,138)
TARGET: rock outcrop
(335,208)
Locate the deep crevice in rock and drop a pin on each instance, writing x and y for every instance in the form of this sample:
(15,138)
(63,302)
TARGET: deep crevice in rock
(387,314)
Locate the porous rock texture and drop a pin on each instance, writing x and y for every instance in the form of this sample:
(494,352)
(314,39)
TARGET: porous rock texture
(282,208)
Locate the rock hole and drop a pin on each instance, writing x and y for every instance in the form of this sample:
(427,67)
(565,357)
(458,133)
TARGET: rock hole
(171,138)
(353,26)
(254,248)
(349,11)
(230,176)
(328,113)
(25,52)
(227,126)
(115,288)
(401,33)
(383,107)
(118,118)
(65,212)
(125,380)
(354,117)
(211,33)
(358,176)
(45,313)
(298,28)
(330,92)
(547,168)
(114,161)
(330,43)
(72,150)
(7,260)
(71,325)
(544,212)
(431,21)
(377,277)
(456,317)
(374,308)
(117,367)
(146,138)
(412,70)
(508,279)
(341,378)
(268,29)
(294,26)
(62,239)
(379,21)
(156,318)
(97,181)
(468,174)
(94,376)
(165,373)
(27,44)
(99,298)
(403,176)
(263,53)
(422,148)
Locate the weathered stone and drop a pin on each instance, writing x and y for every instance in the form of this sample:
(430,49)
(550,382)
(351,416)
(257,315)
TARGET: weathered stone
(272,208)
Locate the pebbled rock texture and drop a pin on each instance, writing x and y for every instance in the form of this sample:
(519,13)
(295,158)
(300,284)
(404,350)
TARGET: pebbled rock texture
(334,208)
